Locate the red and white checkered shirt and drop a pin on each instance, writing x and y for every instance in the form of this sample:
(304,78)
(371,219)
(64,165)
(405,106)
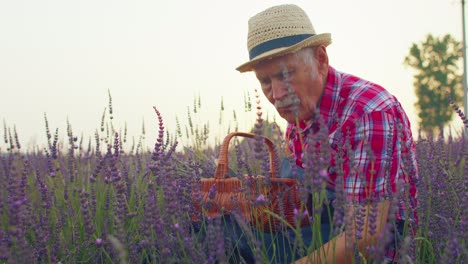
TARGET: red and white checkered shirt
(374,118)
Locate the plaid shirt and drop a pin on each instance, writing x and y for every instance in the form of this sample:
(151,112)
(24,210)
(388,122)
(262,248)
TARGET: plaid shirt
(374,119)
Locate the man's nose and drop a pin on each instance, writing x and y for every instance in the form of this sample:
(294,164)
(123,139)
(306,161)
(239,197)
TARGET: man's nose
(280,89)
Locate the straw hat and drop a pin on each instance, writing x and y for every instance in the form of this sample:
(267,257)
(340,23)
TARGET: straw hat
(280,30)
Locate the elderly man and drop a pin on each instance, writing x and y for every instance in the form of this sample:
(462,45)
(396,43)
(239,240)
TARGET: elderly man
(378,169)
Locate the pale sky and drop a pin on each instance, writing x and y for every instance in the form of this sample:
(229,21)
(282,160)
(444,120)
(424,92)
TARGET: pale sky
(61,57)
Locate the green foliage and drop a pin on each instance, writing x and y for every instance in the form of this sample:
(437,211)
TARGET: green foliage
(436,62)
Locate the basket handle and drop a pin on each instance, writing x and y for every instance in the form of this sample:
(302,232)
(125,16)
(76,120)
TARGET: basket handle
(222,170)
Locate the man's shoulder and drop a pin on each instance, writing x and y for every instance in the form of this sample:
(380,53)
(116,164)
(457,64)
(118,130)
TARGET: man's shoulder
(365,95)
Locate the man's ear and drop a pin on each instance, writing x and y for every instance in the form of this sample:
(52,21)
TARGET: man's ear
(322,57)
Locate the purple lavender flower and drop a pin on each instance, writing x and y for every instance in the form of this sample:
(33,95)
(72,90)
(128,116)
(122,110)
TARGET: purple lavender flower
(212,191)
(260,200)
(88,224)
(259,149)
(98,242)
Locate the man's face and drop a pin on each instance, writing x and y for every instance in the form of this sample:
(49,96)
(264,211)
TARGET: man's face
(294,83)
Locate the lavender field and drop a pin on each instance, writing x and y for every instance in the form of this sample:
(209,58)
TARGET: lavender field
(101,202)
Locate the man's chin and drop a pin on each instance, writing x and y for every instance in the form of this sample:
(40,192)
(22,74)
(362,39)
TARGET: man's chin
(289,117)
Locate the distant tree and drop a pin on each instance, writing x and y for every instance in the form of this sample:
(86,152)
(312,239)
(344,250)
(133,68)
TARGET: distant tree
(436,62)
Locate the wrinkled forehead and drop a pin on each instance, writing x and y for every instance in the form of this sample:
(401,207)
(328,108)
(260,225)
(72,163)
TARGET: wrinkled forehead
(278,63)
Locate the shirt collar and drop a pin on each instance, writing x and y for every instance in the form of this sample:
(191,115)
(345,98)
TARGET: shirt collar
(331,96)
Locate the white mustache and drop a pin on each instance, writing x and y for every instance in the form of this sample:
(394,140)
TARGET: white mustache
(288,101)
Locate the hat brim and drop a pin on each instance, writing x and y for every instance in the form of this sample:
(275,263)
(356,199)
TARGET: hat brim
(316,40)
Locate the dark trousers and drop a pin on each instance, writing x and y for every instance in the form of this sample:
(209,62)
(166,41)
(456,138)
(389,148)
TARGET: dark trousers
(279,247)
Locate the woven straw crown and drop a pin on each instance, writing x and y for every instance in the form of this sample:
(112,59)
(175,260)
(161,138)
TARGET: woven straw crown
(280,30)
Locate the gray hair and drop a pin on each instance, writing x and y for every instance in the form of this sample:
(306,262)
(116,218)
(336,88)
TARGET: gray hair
(307,55)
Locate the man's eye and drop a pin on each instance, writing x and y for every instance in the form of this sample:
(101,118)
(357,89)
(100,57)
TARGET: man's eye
(265,81)
(266,86)
(286,75)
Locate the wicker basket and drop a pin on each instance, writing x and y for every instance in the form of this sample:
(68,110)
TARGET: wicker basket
(252,196)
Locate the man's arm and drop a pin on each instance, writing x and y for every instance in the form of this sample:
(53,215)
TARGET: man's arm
(336,251)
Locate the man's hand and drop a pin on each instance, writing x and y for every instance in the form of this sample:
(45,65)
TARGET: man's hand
(337,251)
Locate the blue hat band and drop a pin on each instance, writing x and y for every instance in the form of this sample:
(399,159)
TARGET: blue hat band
(277,43)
